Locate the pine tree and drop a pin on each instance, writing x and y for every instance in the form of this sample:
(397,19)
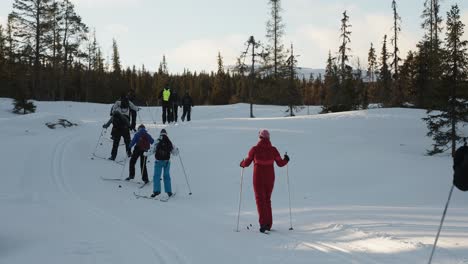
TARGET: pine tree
(372,64)
(331,85)
(275,31)
(443,125)
(163,66)
(397,92)
(293,94)
(74,33)
(116,66)
(429,87)
(344,49)
(2,47)
(220,94)
(385,76)
(32,21)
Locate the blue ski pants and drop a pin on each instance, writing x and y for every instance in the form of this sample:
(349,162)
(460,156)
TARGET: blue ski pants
(160,165)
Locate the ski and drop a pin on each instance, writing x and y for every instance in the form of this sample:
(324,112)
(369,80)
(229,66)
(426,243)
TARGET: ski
(120,162)
(138,196)
(162,198)
(143,185)
(111,179)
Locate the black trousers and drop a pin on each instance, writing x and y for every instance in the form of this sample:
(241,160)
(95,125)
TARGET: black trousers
(175,111)
(186,113)
(133,115)
(117,134)
(165,112)
(138,153)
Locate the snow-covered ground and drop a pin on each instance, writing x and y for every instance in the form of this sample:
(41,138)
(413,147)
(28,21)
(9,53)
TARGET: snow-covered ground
(362,190)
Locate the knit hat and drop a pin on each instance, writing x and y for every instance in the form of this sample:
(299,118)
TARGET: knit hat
(264,134)
(163,132)
(141,126)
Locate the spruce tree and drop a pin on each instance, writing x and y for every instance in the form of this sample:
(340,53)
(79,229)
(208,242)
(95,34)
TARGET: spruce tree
(385,76)
(275,32)
(220,94)
(116,65)
(443,125)
(345,36)
(397,92)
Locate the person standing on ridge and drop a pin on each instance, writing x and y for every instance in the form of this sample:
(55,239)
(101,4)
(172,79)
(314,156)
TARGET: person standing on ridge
(165,96)
(264,155)
(175,104)
(142,141)
(187,104)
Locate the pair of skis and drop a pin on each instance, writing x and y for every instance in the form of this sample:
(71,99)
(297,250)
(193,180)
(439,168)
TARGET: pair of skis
(142,185)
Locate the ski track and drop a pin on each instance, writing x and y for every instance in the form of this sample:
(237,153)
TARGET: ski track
(160,249)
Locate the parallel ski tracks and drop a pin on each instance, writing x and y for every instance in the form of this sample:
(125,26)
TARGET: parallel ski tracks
(162,252)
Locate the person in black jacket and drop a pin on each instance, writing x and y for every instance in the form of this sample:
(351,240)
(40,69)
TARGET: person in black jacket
(120,124)
(187,104)
(162,149)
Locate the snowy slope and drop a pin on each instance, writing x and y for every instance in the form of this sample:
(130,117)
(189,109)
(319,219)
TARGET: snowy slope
(362,190)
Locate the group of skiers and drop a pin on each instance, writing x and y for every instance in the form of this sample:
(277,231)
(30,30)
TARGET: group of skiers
(123,119)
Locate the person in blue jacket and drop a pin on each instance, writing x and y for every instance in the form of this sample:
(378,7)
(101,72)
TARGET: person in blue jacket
(142,141)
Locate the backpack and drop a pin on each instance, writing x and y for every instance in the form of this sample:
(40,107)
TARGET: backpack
(163,149)
(460,168)
(143,142)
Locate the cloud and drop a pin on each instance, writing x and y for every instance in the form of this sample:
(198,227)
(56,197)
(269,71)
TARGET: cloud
(201,54)
(116,30)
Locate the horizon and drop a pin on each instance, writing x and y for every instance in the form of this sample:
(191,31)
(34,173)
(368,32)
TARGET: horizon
(192,36)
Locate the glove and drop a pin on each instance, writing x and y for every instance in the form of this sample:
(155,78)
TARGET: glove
(240,164)
(105,126)
(129,153)
(139,108)
(286,157)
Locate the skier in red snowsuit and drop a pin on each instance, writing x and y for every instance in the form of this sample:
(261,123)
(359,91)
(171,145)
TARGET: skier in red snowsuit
(264,155)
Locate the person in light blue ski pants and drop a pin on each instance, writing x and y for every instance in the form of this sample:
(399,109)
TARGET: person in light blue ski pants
(159,165)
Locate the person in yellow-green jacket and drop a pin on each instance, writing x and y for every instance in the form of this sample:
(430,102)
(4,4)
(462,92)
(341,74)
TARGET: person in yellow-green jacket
(165,96)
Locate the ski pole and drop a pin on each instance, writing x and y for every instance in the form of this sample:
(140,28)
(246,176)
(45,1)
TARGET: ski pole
(240,197)
(289,194)
(441,223)
(185,174)
(99,140)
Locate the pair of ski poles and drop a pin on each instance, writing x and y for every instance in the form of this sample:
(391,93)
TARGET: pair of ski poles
(240,197)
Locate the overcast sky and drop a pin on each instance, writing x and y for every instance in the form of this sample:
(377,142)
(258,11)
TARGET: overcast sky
(190,33)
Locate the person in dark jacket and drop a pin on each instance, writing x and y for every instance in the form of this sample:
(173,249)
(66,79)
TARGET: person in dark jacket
(187,104)
(142,141)
(264,155)
(120,119)
(175,104)
(162,150)
(165,96)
